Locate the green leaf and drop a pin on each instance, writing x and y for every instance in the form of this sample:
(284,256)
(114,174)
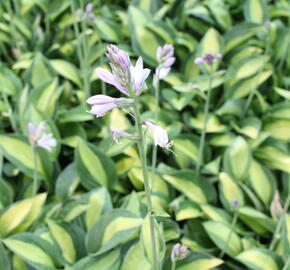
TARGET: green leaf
(140,36)
(196,260)
(99,203)
(219,234)
(256,11)
(135,256)
(66,183)
(95,168)
(20,215)
(108,261)
(259,259)
(64,240)
(256,220)
(197,189)
(146,240)
(108,30)
(237,158)
(278,128)
(67,70)
(262,181)
(34,250)
(18,151)
(229,191)
(112,229)
(4,259)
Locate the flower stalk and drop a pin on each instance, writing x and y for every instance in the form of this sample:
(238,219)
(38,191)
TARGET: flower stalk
(204,128)
(235,205)
(35,182)
(142,153)
(277,232)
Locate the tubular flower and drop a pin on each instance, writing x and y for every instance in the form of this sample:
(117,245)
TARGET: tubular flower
(117,134)
(208,58)
(160,135)
(102,104)
(138,76)
(124,76)
(37,137)
(179,252)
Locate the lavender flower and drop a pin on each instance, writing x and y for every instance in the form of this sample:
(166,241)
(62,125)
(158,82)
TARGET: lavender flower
(37,137)
(102,104)
(117,134)
(128,79)
(166,60)
(86,14)
(89,8)
(113,79)
(208,58)
(235,203)
(179,252)
(160,135)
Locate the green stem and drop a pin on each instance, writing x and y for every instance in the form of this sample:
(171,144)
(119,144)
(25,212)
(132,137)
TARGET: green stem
(80,53)
(142,154)
(86,66)
(287,264)
(253,90)
(1,163)
(234,222)
(154,152)
(173,265)
(280,224)
(35,184)
(10,111)
(206,116)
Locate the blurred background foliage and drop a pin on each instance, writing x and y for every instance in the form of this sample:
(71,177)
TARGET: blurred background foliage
(91,207)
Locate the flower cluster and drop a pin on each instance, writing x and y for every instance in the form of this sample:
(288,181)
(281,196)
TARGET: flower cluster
(179,252)
(208,58)
(165,57)
(39,138)
(130,80)
(87,14)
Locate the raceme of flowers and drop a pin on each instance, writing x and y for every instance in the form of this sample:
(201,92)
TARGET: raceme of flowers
(129,80)
(208,58)
(165,57)
(39,138)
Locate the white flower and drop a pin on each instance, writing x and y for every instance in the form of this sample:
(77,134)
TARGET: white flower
(138,76)
(160,135)
(37,137)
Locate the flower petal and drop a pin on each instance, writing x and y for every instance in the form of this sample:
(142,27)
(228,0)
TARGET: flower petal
(100,99)
(100,110)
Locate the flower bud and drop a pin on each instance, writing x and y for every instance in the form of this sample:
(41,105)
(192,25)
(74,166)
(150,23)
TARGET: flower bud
(179,252)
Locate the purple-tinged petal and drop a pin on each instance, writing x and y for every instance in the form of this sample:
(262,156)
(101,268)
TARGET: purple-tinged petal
(89,8)
(100,99)
(218,56)
(46,141)
(163,72)
(109,78)
(39,129)
(31,129)
(101,110)
(198,61)
(169,62)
